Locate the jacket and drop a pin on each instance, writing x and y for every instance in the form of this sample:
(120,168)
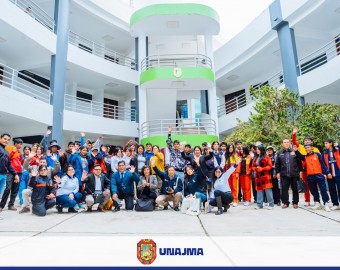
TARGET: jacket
(176,183)
(287,163)
(90,183)
(314,163)
(124,185)
(202,160)
(67,186)
(262,169)
(15,158)
(159,159)
(246,161)
(76,161)
(153,183)
(42,186)
(51,172)
(176,159)
(5,164)
(336,156)
(194,183)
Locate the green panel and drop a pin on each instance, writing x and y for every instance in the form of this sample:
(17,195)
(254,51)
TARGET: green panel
(169,9)
(191,139)
(166,73)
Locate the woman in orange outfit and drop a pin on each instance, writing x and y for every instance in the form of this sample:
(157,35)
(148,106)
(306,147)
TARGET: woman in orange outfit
(243,171)
(230,160)
(262,165)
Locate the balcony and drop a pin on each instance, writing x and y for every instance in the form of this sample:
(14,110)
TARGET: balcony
(156,131)
(177,71)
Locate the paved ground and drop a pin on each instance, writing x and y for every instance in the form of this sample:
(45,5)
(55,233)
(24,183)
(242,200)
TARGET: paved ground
(239,223)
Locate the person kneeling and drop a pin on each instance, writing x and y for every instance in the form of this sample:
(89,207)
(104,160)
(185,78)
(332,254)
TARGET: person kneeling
(97,189)
(43,192)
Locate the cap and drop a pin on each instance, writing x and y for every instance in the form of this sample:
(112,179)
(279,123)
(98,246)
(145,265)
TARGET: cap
(270,147)
(18,140)
(308,144)
(329,140)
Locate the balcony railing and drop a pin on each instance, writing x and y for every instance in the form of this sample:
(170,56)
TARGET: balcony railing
(101,51)
(159,127)
(320,56)
(176,60)
(33,10)
(274,81)
(232,105)
(101,109)
(23,83)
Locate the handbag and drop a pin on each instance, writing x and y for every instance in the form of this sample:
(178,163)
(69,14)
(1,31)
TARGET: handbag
(144,205)
(301,186)
(108,205)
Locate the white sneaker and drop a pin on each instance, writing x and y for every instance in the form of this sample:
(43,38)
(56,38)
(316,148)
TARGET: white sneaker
(270,208)
(317,206)
(235,204)
(335,207)
(256,207)
(246,203)
(266,204)
(326,207)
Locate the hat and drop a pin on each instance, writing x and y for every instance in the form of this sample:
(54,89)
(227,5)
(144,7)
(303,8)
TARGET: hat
(270,147)
(258,143)
(54,143)
(329,140)
(18,140)
(308,144)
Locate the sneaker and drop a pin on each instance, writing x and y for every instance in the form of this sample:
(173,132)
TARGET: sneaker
(296,206)
(266,204)
(234,204)
(100,209)
(72,210)
(326,207)
(278,204)
(60,209)
(207,208)
(306,204)
(317,206)
(335,207)
(12,208)
(176,208)
(270,207)
(166,207)
(256,207)
(24,210)
(219,212)
(81,206)
(246,203)
(76,207)
(116,209)
(226,207)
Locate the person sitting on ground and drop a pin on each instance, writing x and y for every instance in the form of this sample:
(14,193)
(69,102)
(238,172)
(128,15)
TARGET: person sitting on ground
(122,186)
(194,184)
(43,197)
(148,184)
(171,189)
(221,195)
(97,189)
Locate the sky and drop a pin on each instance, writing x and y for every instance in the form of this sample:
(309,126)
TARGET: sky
(234,14)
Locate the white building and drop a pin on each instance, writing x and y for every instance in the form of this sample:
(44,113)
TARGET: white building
(132,71)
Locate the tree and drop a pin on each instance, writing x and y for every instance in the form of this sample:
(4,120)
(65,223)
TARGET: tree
(277,112)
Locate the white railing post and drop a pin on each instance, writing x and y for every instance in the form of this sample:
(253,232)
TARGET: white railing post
(12,79)
(236,99)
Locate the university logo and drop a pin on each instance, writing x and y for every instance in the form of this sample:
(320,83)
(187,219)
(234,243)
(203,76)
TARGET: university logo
(146,251)
(178,72)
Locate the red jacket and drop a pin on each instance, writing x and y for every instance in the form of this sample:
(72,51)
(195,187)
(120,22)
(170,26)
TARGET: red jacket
(15,158)
(315,164)
(336,157)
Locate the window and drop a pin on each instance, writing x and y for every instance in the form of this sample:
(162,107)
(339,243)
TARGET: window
(235,101)
(84,97)
(85,48)
(34,79)
(110,108)
(182,109)
(314,63)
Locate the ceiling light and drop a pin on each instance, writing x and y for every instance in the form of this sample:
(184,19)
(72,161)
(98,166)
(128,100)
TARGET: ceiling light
(108,38)
(111,84)
(172,24)
(233,77)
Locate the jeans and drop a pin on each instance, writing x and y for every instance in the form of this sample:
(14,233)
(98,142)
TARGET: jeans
(276,191)
(269,195)
(40,209)
(65,201)
(11,188)
(334,189)
(318,180)
(202,197)
(23,185)
(181,176)
(2,181)
(128,200)
(292,182)
(226,197)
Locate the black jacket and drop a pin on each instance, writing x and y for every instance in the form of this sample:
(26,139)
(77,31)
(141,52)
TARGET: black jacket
(42,186)
(90,183)
(202,161)
(287,163)
(5,164)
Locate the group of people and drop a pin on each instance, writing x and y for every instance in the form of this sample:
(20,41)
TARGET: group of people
(218,174)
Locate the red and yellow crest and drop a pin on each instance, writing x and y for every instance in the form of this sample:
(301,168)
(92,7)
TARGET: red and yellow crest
(146,251)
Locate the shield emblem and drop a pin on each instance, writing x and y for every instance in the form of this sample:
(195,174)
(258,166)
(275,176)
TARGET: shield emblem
(146,251)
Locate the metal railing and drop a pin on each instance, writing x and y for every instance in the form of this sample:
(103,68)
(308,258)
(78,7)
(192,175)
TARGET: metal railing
(23,83)
(320,56)
(33,10)
(180,126)
(232,105)
(176,60)
(101,51)
(274,81)
(85,106)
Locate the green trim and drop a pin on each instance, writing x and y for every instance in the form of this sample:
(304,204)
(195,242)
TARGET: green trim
(193,140)
(167,73)
(173,9)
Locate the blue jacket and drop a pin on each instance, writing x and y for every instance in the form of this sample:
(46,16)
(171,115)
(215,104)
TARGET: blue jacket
(194,183)
(124,185)
(76,161)
(5,164)
(176,183)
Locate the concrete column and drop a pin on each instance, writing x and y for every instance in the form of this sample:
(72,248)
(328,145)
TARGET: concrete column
(287,48)
(58,66)
(212,91)
(142,105)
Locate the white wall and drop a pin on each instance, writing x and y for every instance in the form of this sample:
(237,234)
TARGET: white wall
(161,103)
